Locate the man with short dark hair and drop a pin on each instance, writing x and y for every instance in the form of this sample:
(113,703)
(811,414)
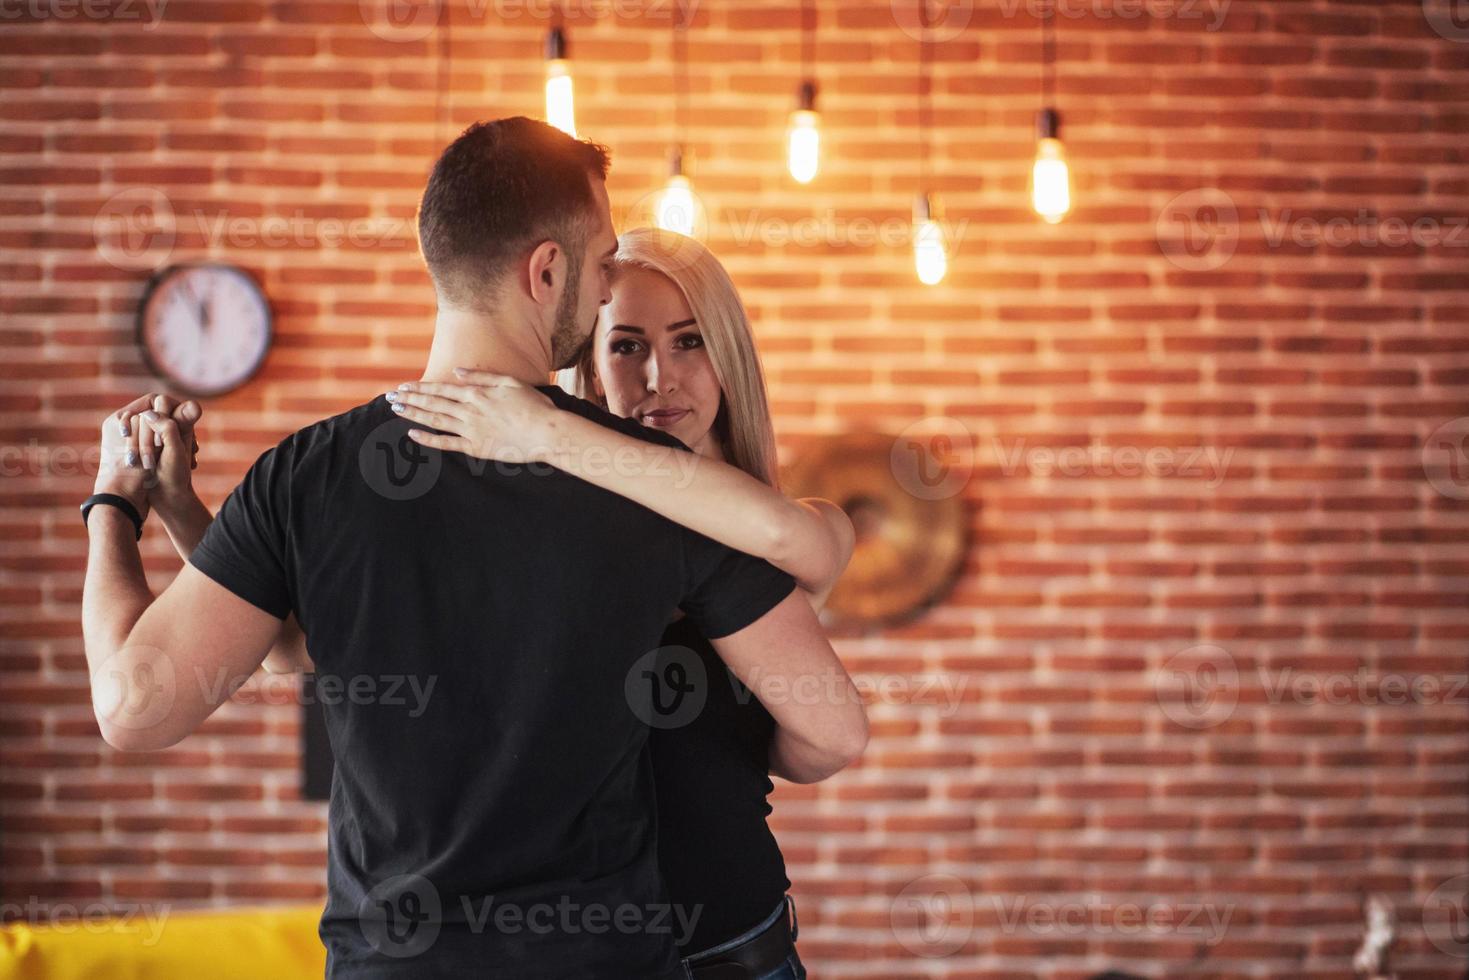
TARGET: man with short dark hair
(476,625)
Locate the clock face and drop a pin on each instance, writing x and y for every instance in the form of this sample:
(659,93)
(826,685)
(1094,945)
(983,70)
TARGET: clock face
(204,328)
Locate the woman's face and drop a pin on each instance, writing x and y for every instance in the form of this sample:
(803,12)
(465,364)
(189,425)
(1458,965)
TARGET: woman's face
(650,361)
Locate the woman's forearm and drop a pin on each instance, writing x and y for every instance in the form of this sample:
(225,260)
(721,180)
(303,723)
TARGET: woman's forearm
(713,498)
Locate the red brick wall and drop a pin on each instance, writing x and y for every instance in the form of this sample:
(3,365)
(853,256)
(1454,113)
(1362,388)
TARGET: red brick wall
(1237,400)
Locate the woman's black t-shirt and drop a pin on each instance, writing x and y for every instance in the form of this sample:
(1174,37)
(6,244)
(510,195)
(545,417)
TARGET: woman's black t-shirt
(710,764)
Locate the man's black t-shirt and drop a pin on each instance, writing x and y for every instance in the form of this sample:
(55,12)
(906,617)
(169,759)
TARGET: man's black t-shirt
(483,634)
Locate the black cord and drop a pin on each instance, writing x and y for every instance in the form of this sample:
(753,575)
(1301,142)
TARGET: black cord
(808,38)
(924,82)
(1048,56)
(681,79)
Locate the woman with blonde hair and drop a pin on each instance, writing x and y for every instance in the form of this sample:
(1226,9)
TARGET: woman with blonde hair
(673,350)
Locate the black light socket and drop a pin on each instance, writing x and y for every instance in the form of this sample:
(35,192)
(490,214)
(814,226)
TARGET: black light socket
(1048,124)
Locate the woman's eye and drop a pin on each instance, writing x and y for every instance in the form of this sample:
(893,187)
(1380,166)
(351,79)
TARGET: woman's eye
(623,346)
(697,340)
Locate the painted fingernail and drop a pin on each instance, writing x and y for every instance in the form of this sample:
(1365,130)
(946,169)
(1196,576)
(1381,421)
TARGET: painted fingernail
(132,458)
(122,426)
(392,396)
(405,386)
(398,408)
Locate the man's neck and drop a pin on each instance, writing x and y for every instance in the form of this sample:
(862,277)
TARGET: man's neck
(485,343)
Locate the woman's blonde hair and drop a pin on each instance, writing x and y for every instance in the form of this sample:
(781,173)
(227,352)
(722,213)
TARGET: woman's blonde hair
(743,424)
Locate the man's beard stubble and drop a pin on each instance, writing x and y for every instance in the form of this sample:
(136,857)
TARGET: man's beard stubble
(567,338)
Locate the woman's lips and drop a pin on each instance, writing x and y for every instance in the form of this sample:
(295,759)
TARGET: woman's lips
(663,420)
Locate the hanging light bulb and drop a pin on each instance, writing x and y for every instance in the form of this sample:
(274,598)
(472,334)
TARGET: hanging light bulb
(677,208)
(560,105)
(930,258)
(803,137)
(1050,178)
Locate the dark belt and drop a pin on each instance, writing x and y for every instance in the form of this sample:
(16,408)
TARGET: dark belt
(755,956)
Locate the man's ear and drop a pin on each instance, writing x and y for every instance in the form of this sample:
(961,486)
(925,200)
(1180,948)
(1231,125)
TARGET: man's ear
(547,266)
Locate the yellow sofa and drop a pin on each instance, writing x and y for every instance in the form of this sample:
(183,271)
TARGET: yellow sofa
(277,943)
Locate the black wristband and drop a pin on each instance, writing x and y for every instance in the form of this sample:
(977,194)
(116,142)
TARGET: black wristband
(121,503)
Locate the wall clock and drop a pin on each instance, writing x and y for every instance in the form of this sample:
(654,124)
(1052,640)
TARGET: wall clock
(204,328)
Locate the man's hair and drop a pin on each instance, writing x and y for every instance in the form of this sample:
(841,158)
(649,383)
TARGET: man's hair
(501,187)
